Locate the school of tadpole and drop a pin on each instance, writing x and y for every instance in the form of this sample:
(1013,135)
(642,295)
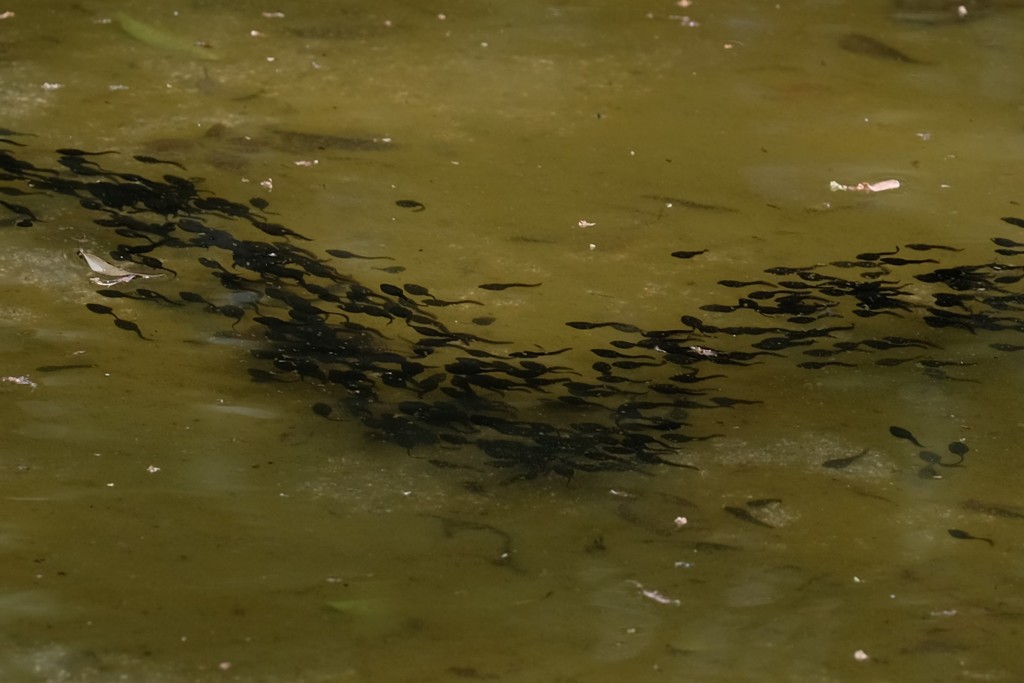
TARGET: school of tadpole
(427,385)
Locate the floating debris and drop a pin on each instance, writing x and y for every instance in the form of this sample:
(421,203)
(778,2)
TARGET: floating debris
(23,380)
(880,186)
(113,275)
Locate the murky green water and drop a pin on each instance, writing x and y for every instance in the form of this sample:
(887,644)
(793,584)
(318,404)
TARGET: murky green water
(166,519)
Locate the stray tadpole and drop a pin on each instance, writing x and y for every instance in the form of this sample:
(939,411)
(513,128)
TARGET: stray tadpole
(967,536)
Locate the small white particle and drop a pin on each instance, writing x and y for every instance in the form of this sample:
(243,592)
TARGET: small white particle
(681,521)
(52,86)
(273,15)
(860,656)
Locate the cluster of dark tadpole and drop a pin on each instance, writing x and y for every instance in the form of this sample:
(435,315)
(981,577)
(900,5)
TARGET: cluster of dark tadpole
(408,378)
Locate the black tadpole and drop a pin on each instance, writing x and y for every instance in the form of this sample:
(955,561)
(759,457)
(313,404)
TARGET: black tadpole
(410,204)
(341,253)
(100,308)
(958,448)
(154,160)
(962,535)
(130,327)
(928,247)
(875,255)
(323,410)
(72,152)
(499,286)
(688,254)
(843,463)
(744,515)
(127,325)
(901,433)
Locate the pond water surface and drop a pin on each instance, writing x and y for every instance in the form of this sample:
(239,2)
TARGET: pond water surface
(166,518)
